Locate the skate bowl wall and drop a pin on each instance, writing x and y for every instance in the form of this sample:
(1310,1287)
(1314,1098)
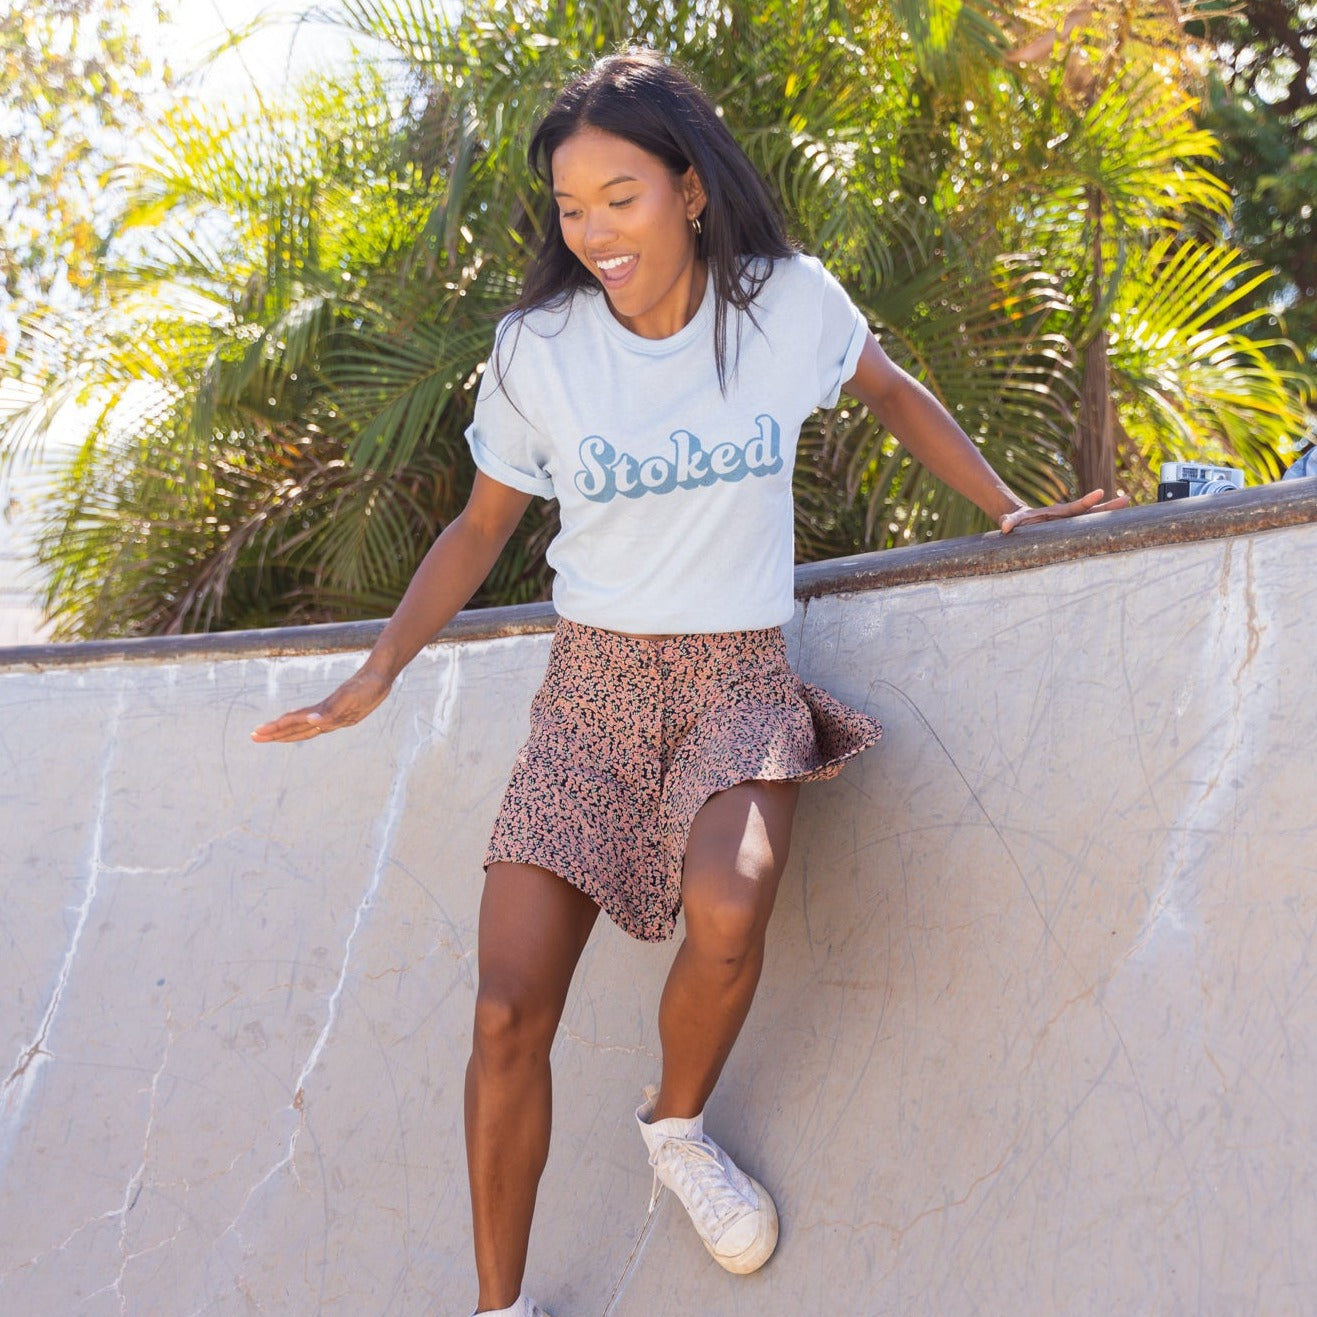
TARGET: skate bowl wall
(1037,1031)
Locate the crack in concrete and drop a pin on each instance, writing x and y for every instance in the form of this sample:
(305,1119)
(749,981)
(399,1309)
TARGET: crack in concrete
(387,830)
(1195,826)
(633,1258)
(136,1182)
(573,1037)
(17,1087)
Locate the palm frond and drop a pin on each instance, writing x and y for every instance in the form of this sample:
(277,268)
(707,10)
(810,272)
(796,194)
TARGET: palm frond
(979,341)
(1190,383)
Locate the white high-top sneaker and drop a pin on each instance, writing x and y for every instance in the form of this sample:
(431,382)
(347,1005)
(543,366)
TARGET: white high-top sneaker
(731,1213)
(523,1307)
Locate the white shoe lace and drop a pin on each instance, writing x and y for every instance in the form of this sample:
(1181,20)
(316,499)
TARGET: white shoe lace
(702,1182)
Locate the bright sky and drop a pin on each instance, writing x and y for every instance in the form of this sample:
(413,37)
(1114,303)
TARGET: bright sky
(268,61)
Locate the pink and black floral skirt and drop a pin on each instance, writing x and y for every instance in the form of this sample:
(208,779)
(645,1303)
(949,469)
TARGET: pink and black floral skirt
(629,738)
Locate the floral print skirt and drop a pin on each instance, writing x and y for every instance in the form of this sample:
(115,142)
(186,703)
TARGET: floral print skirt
(629,738)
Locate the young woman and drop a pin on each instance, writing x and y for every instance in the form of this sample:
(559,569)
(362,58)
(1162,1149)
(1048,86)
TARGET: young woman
(653,378)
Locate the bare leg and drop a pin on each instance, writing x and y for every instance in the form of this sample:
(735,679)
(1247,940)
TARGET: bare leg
(734,860)
(533,928)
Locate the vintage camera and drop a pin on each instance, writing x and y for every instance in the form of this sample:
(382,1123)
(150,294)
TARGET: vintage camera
(1189,479)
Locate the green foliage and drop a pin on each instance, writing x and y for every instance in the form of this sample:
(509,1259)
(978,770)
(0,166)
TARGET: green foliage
(1184,371)
(1263,108)
(297,306)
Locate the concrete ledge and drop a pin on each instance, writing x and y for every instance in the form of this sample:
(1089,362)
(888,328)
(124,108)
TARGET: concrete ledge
(1268,507)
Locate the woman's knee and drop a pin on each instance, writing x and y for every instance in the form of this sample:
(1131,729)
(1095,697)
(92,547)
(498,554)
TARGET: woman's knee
(533,928)
(735,855)
(727,914)
(512,1028)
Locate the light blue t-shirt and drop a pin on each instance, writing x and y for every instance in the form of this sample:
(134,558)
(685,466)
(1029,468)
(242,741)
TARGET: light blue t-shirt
(675,498)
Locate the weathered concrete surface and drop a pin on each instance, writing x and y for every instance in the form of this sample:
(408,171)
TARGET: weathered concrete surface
(1037,1034)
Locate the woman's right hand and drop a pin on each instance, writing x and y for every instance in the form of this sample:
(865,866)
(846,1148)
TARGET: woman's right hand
(350,703)
(446,579)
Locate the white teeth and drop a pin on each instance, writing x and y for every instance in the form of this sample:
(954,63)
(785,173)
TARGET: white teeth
(613,262)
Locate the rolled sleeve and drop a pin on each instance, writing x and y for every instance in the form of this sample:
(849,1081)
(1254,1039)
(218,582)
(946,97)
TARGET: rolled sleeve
(842,335)
(536,482)
(503,437)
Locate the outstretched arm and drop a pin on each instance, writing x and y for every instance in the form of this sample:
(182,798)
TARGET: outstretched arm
(931,435)
(446,579)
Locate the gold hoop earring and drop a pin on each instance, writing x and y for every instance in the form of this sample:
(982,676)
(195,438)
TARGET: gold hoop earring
(696,227)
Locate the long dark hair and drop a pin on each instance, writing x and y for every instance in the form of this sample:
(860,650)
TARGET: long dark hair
(638,96)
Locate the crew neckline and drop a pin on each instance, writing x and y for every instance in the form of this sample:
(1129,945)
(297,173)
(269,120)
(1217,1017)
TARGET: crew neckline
(694,329)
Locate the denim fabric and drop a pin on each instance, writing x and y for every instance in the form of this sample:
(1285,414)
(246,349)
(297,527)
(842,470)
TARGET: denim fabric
(1305,466)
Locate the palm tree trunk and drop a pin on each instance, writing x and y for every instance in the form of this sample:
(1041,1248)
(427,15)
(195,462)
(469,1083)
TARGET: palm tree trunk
(1095,442)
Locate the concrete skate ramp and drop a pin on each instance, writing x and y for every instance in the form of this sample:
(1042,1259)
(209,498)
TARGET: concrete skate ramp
(1037,1033)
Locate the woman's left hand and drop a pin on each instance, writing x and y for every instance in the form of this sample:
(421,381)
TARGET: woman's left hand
(1092,502)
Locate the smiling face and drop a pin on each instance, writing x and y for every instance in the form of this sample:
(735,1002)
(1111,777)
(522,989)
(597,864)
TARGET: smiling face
(626,217)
